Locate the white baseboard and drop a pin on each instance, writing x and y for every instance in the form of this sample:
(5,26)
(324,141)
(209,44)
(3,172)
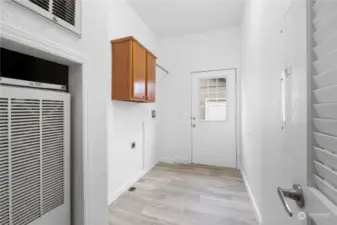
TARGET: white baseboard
(173,161)
(127,185)
(252,198)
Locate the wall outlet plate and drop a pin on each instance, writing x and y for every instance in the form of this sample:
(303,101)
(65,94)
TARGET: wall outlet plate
(154,113)
(133,145)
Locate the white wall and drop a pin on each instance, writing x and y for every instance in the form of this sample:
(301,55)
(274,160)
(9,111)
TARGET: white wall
(268,158)
(219,49)
(251,83)
(126,122)
(111,125)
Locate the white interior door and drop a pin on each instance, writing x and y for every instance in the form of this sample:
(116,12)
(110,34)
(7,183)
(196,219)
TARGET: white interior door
(214,118)
(315,163)
(34,157)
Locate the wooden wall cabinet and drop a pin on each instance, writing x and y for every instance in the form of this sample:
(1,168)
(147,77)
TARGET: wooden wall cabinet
(133,71)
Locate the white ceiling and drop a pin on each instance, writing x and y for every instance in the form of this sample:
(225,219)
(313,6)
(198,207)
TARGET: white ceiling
(168,18)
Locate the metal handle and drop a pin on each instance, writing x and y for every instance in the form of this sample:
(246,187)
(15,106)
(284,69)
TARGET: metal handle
(193,125)
(295,194)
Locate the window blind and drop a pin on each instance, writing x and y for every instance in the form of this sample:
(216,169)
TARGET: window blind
(324,97)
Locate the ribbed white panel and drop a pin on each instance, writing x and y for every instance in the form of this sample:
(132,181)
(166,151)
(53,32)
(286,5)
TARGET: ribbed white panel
(4,162)
(25,161)
(32,163)
(53,154)
(324,88)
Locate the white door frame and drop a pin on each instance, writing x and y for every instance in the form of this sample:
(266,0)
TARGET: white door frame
(237,115)
(25,42)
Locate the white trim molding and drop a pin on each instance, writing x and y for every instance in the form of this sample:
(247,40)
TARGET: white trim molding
(23,38)
(173,161)
(252,198)
(32,84)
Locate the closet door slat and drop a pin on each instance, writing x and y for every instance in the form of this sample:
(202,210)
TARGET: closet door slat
(322,7)
(325,141)
(324,19)
(326,95)
(326,188)
(327,62)
(326,126)
(326,47)
(324,98)
(327,173)
(323,33)
(326,110)
(327,79)
(326,157)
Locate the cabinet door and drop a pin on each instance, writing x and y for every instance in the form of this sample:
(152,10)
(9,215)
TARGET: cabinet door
(139,72)
(151,77)
(122,71)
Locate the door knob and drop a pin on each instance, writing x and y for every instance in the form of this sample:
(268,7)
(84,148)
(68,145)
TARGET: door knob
(193,125)
(295,194)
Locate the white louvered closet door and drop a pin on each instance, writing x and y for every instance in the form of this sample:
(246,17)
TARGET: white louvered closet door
(34,157)
(322,197)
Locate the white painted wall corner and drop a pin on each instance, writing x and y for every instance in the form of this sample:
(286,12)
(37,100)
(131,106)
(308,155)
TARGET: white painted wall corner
(252,198)
(113,197)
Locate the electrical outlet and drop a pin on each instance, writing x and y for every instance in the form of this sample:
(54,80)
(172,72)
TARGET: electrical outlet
(133,145)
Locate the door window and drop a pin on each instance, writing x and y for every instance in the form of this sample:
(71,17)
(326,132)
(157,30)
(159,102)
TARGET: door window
(213,99)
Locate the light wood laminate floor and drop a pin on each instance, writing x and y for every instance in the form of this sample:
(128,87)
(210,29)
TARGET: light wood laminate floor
(172,194)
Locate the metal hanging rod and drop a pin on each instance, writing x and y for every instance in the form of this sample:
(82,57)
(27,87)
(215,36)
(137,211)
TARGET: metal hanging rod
(215,70)
(162,68)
